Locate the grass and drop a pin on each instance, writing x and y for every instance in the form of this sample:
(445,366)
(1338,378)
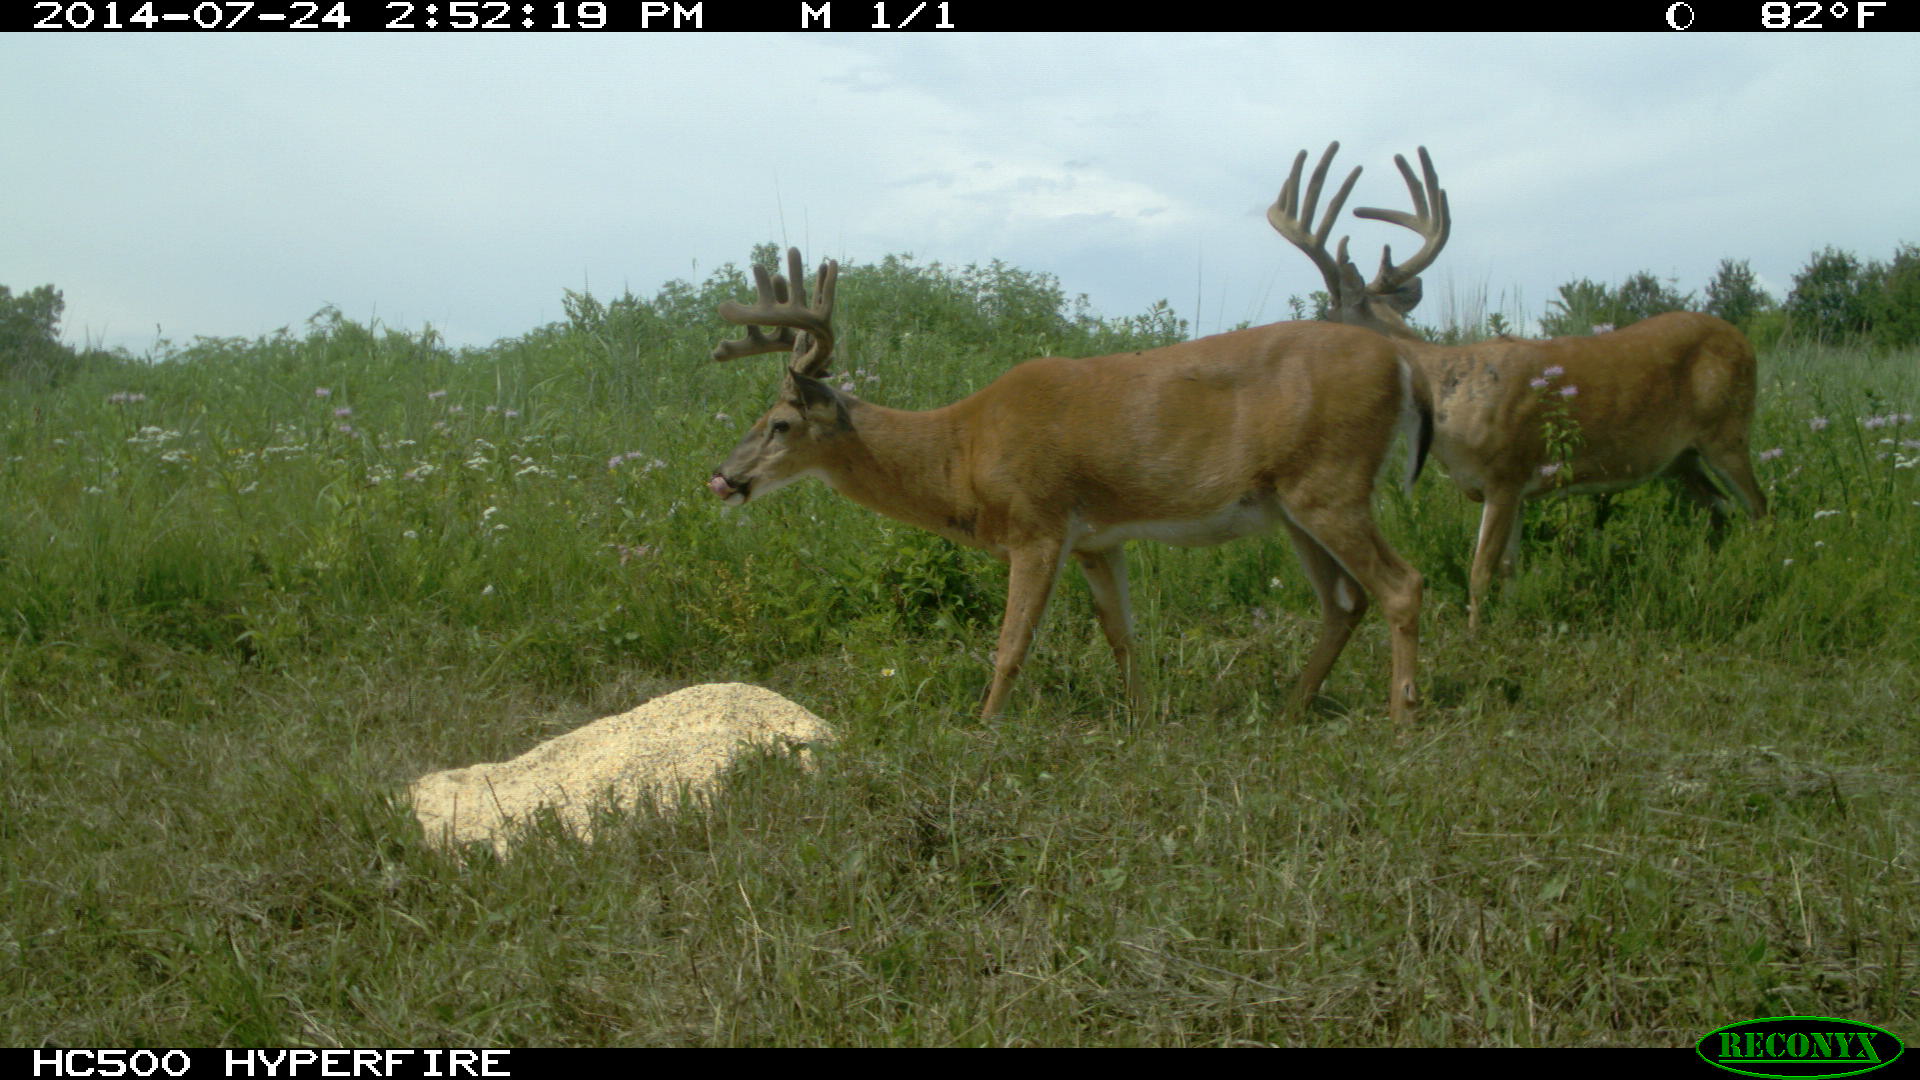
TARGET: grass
(1670,785)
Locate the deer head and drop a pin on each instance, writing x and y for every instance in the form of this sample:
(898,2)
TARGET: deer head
(785,444)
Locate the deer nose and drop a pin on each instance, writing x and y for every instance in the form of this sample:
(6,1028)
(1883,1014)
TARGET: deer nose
(720,486)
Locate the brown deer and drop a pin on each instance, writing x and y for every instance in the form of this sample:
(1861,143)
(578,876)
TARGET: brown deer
(1194,444)
(1672,394)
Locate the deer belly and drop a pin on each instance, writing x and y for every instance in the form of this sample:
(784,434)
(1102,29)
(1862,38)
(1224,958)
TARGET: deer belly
(1247,516)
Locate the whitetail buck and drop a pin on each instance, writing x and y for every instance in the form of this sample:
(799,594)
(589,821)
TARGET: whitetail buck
(1195,443)
(1672,394)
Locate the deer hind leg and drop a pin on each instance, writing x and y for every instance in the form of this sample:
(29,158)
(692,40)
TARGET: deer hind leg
(1347,559)
(1497,548)
(1342,603)
(1106,574)
(1032,572)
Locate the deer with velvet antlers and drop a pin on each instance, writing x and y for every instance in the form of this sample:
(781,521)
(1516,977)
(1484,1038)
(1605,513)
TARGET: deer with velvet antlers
(1673,394)
(1194,444)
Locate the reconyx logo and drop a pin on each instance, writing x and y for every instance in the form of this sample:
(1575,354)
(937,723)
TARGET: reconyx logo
(1799,1047)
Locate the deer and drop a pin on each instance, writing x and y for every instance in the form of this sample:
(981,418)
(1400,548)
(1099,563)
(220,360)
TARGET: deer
(1193,444)
(1670,395)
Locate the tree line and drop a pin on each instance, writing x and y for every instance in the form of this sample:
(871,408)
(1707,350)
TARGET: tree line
(1836,298)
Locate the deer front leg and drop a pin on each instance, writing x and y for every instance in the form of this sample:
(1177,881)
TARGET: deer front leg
(1032,571)
(1106,574)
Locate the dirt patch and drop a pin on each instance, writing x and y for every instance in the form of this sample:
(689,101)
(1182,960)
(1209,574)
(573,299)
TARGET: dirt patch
(688,737)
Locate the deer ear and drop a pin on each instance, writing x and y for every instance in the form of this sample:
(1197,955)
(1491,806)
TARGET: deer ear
(1406,297)
(1353,295)
(811,396)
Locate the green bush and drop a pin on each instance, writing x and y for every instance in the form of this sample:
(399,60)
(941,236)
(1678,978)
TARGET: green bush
(1736,296)
(30,347)
(1830,298)
(1584,305)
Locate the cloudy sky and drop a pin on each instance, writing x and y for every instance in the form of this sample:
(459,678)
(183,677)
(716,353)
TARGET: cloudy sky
(229,186)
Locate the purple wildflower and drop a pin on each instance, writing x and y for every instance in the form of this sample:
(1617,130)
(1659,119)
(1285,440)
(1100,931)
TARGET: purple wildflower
(617,460)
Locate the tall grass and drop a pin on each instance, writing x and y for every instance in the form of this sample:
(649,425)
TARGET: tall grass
(1670,785)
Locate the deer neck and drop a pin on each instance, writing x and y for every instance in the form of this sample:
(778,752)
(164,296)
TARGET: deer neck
(904,464)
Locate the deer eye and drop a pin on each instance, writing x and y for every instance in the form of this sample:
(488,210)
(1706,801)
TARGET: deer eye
(780,427)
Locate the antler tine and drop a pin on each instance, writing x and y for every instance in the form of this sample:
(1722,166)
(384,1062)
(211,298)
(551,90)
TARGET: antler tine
(816,343)
(804,329)
(772,290)
(1286,215)
(1432,218)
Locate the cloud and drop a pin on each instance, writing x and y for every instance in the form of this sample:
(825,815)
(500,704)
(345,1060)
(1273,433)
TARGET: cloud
(219,189)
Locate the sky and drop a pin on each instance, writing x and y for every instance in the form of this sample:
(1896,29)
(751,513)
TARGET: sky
(182,185)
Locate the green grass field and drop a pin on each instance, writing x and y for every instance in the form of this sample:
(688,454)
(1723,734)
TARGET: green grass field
(251,590)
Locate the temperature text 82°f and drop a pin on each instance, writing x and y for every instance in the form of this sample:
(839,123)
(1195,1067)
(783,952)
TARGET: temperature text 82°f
(1815,15)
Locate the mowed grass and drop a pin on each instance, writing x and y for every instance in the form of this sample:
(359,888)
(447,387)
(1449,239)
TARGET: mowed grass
(1672,783)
